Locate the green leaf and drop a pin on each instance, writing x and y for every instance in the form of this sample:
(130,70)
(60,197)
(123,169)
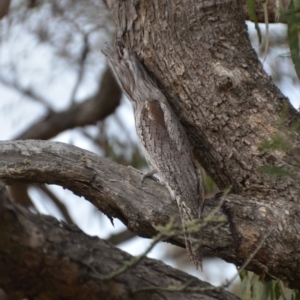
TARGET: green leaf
(270,284)
(245,288)
(293,22)
(265,291)
(253,17)
(256,287)
(297,295)
(277,290)
(243,274)
(267,37)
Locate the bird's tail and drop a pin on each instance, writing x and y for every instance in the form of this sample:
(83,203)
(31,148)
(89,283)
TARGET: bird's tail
(192,239)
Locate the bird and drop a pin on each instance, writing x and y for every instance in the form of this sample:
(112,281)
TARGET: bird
(164,141)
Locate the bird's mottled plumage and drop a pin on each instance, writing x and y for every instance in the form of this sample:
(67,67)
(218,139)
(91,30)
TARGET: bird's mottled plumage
(166,145)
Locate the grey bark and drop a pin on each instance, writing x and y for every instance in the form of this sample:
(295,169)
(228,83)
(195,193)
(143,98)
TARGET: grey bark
(200,54)
(41,258)
(117,191)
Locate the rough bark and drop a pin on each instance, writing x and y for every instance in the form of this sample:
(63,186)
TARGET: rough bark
(118,192)
(41,258)
(90,111)
(201,56)
(199,53)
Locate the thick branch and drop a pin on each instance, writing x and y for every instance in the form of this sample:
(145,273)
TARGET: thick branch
(200,53)
(41,258)
(118,192)
(90,111)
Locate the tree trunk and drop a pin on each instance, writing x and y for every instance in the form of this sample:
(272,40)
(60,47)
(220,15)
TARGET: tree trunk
(201,57)
(142,207)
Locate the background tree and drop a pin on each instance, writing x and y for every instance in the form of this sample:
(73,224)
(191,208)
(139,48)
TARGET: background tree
(201,57)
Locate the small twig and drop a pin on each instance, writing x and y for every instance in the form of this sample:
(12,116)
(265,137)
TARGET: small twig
(267,36)
(175,289)
(165,232)
(120,237)
(28,92)
(129,264)
(61,206)
(83,57)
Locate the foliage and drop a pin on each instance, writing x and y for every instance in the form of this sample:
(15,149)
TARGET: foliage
(292,18)
(253,287)
(253,17)
(293,21)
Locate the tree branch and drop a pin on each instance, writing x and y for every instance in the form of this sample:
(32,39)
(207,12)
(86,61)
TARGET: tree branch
(117,191)
(93,110)
(42,258)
